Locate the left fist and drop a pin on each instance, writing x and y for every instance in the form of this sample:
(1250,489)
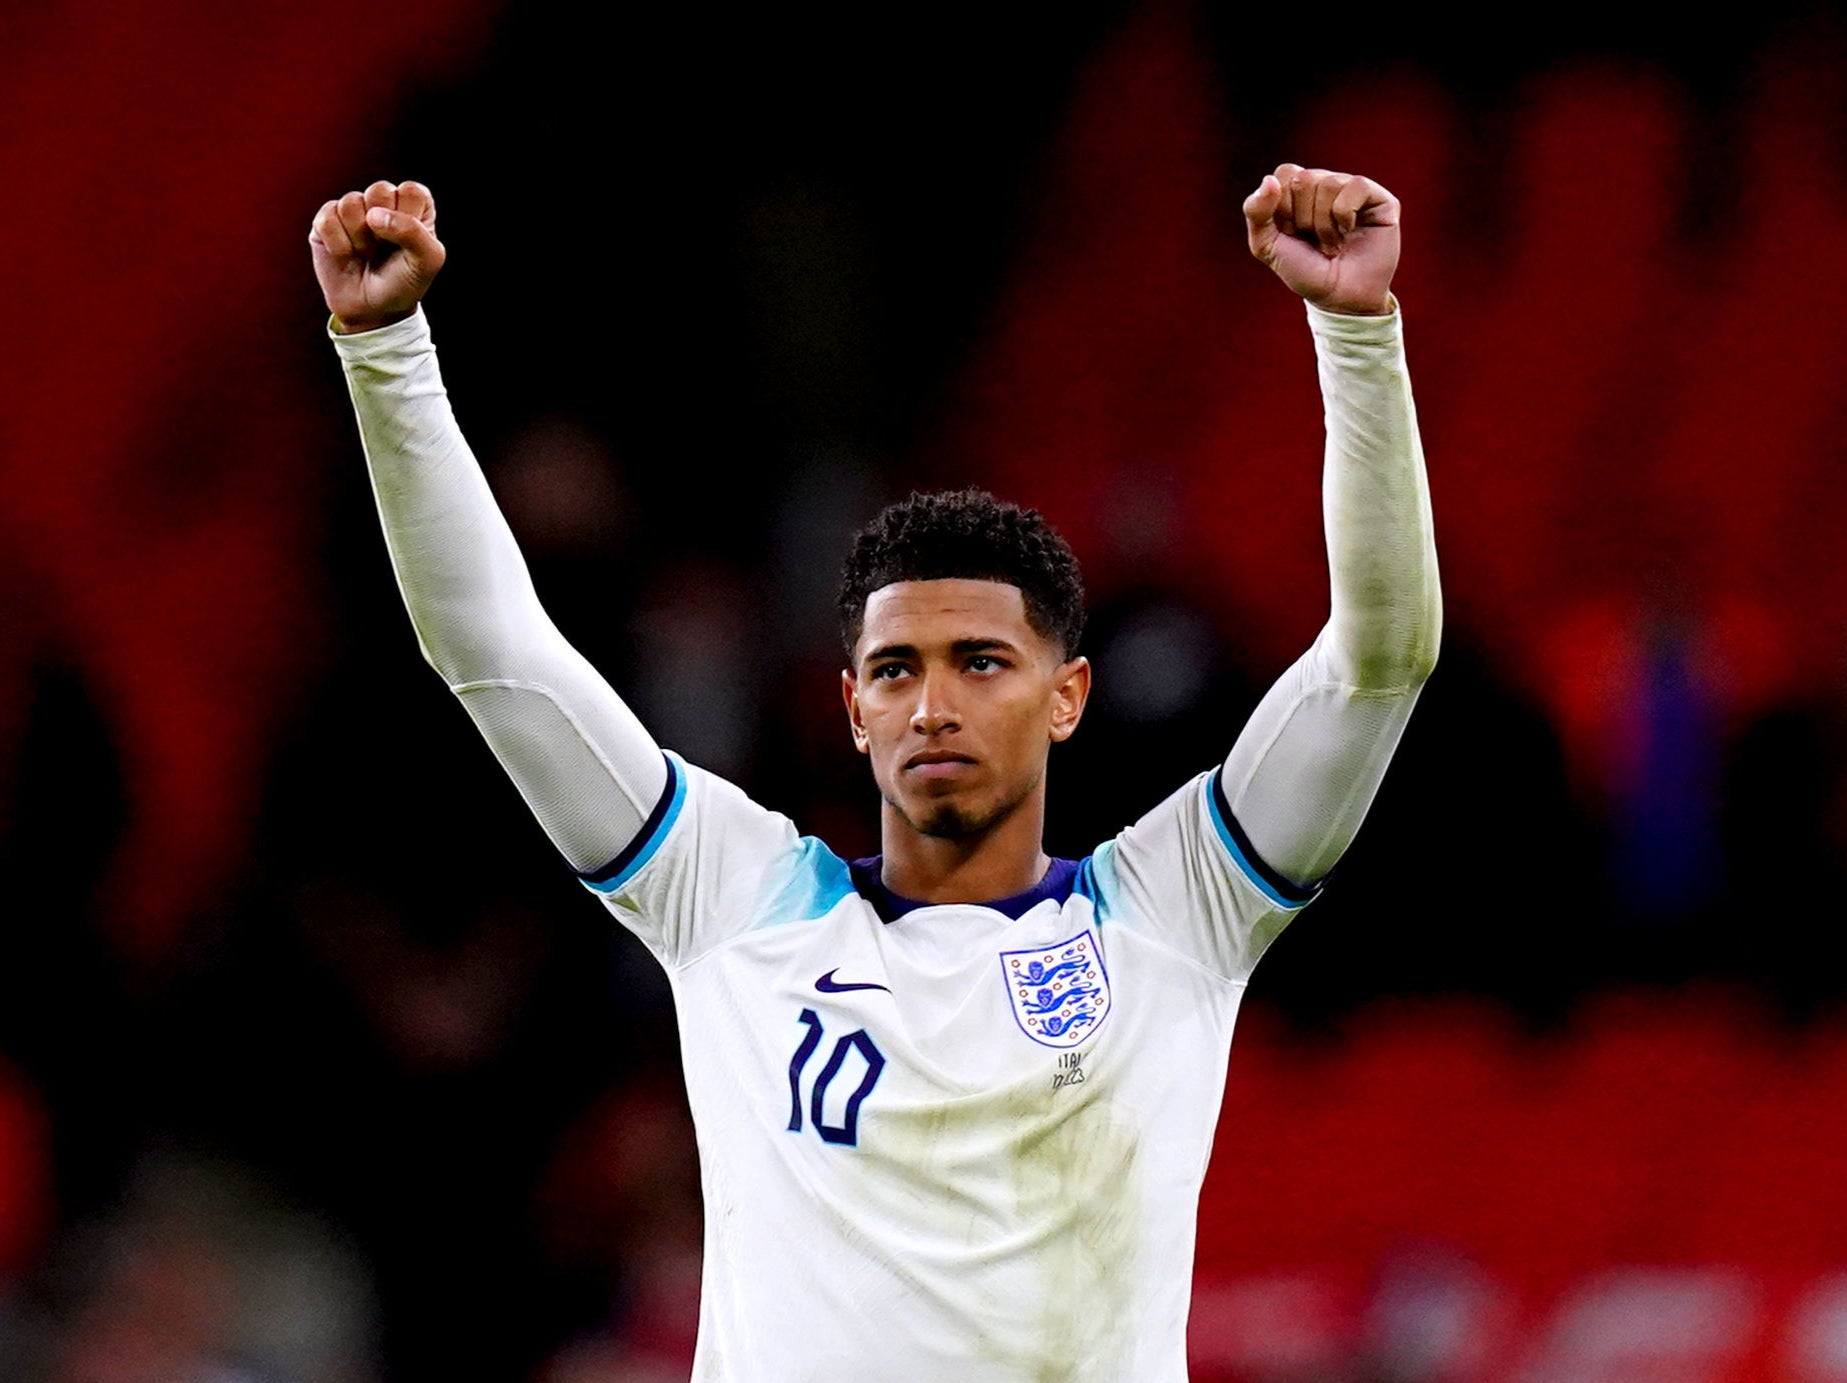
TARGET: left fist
(1332,237)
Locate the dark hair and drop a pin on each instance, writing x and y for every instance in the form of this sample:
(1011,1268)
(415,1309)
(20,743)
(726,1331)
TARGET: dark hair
(973,535)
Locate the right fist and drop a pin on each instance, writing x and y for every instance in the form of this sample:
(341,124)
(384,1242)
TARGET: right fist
(375,253)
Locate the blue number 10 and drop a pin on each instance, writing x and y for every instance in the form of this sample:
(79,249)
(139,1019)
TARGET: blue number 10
(847,1130)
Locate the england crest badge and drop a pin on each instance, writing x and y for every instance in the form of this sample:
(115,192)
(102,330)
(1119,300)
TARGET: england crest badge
(1059,993)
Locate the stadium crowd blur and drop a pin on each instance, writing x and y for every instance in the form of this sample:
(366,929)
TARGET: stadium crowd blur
(316,1064)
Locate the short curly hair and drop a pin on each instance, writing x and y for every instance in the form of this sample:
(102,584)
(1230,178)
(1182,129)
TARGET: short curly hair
(969,534)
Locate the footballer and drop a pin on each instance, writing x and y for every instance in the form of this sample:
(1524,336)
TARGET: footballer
(954,1102)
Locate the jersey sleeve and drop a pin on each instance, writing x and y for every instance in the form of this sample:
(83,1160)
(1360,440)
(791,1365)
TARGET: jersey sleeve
(1304,772)
(1217,870)
(1185,876)
(676,853)
(705,867)
(584,764)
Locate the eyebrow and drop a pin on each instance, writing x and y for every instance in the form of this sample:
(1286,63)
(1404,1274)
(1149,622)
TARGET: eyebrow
(891,650)
(961,647)
(982,646)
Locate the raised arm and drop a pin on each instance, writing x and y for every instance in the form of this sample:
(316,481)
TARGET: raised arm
(1302,774)
(589,771)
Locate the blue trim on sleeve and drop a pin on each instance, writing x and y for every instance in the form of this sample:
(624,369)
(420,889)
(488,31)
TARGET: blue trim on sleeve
(1278,889)
(648,839)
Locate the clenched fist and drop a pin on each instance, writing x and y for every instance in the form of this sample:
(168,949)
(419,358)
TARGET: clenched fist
(1331,237)
(375,253)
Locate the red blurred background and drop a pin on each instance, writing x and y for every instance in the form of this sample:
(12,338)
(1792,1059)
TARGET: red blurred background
(313,1061)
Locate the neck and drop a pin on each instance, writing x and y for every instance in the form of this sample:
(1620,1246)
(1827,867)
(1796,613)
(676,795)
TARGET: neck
(1005,858)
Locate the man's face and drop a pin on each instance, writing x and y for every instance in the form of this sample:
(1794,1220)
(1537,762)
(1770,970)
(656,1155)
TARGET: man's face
(956,701)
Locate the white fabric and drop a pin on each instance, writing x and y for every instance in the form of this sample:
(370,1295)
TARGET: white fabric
(918,1161)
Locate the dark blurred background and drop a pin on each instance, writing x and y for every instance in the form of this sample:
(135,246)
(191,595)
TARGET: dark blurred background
(316,1063)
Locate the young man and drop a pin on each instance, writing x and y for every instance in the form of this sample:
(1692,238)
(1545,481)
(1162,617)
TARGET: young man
(954,1103)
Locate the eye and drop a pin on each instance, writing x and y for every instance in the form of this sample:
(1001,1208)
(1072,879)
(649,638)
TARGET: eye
(985,662)
(886,672)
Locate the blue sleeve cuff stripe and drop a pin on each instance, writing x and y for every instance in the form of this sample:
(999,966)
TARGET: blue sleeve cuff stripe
(648,839)
(1285,893)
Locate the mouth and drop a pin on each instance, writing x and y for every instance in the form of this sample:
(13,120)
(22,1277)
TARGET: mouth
(937,763)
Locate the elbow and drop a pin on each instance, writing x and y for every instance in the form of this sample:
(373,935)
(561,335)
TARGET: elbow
(446,665)
(431,654)
(1420,658)
(486,647)
(1398,658)
(460,660)
(1416,669)
(1405,671)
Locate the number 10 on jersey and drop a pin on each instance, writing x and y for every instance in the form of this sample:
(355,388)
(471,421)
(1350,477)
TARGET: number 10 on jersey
(847,1130)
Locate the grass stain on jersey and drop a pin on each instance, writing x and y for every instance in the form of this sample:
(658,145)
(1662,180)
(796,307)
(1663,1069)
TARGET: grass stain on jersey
(1025,1198)
(1073,1167)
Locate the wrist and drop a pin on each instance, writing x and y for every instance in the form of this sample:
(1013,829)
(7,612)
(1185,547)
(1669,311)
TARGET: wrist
(353,326)
(1382,308)
(1354,328)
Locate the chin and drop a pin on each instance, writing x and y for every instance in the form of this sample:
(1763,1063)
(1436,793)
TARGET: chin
(954,816)
(942,818)
(954,820)
(948,821)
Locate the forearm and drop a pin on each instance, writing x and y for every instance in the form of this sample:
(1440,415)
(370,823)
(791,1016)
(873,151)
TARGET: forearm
(458,568)
(1304,772)
(585,765)
(1386,609)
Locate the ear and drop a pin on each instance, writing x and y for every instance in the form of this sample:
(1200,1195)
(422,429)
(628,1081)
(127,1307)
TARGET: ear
(1070,690)
(849,690)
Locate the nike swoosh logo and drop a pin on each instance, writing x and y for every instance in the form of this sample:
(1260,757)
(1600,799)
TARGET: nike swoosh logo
(827,984)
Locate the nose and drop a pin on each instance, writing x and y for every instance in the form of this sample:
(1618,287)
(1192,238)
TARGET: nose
(935,711)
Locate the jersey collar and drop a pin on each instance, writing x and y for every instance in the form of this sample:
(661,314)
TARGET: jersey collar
(1056,885)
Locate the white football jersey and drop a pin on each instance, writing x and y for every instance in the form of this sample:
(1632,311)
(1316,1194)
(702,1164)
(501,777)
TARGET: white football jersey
(947,1141)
